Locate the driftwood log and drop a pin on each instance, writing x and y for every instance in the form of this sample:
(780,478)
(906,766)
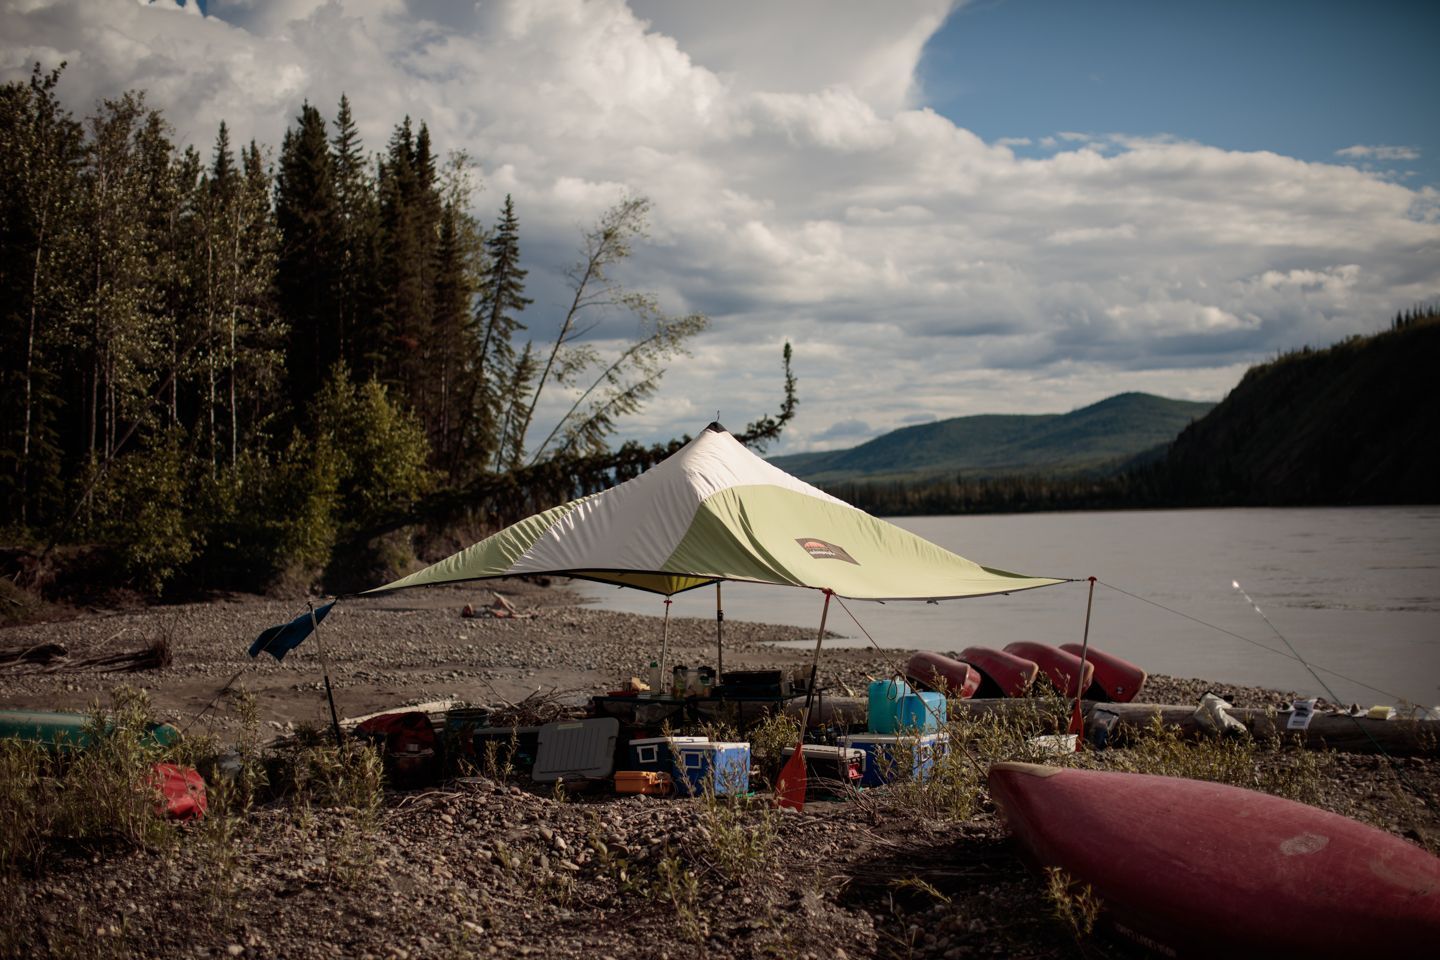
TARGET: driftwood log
(1333,731)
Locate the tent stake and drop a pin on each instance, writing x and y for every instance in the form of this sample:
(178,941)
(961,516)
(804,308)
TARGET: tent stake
(325,672)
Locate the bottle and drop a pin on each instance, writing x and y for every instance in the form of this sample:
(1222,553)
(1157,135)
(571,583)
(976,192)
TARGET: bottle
(652,677)
(707,681)
(677,685)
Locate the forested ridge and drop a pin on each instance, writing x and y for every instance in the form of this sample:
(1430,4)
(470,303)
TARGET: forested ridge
(1350,424)
(238,370)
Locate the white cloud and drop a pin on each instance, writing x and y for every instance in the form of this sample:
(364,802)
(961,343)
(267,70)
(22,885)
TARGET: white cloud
(1378,152)
(802,191)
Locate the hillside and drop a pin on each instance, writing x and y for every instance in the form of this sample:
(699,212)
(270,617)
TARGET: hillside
(1113,430)
(1355,423)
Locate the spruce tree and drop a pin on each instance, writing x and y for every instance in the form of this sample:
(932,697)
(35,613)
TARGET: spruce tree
(355,280)
(306,212)
(502,299)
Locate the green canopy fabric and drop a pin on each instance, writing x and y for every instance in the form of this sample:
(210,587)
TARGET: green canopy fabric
(716,511)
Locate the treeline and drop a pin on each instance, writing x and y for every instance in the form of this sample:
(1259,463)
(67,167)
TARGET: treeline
(1016,493)
(228,366)
(1350,424)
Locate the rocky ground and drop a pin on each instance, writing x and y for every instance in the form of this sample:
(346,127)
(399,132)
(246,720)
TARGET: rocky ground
(481,866)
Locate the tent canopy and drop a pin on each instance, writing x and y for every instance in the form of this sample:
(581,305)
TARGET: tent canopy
(716,511)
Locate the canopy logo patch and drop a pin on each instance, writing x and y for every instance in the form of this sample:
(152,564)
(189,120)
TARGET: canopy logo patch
(824,550)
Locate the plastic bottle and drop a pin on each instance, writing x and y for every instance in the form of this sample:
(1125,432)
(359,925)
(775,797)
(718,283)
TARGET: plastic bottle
(677,685)
(652,677)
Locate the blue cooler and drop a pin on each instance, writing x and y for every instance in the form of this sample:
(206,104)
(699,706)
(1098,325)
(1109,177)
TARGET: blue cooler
(883,762)
(657,754)
(723,768)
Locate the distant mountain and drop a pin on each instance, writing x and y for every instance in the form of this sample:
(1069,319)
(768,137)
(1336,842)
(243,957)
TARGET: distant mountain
(1102,435)
(1354,423)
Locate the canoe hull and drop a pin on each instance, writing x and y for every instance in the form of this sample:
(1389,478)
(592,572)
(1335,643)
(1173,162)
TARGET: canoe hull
(935,671)
(1059,667)
(1118,679)
(1007,674)
(1201,867)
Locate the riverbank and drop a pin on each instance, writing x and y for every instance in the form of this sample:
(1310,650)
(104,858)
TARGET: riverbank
(485,867)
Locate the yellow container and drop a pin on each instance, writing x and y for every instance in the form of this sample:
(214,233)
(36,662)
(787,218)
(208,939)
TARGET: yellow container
(644,781)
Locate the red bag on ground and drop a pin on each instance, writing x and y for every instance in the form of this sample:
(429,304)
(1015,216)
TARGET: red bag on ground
(181,789)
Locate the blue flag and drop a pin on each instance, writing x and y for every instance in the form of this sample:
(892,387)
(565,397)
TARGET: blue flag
(278,641)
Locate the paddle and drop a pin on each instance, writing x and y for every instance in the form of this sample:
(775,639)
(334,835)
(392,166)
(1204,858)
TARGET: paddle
(790,787)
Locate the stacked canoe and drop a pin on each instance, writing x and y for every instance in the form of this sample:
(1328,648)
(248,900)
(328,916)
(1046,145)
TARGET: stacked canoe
(1013,672)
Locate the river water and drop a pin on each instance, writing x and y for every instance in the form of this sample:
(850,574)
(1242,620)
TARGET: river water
(1356,591)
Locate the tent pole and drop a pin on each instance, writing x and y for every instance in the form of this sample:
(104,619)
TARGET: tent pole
(1077,722)
(719,635)
(664,645)
(325,672)
(815,665)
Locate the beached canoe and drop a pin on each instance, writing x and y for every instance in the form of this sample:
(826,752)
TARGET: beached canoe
(935,671)
(1116,679)
(1192,867)
(1059,667)
(1002,674)
(68,731)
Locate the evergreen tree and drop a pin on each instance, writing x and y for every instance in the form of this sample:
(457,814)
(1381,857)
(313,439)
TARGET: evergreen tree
(355,279)
(307,214)
(40,153)
(502,299)
(409,232)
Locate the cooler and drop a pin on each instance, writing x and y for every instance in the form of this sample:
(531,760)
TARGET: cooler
(831,769)
(891,756)
(723,768)
(656,753)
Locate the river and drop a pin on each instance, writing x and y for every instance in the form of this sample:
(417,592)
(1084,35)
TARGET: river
(1355,591)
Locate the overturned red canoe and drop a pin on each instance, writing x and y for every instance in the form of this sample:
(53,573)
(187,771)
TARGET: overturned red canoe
(935,671)
(1002,674)
(1192,867)
(1059,667)
(1118,680)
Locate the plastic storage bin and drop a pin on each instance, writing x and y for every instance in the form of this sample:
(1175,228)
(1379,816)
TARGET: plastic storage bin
(721,768)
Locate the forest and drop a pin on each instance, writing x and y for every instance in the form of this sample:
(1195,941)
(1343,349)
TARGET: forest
(241,370)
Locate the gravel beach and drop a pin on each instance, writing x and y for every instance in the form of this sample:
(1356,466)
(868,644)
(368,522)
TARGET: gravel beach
(484,867)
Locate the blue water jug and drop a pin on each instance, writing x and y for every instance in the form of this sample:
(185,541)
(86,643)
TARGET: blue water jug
(887,698)
(923,712)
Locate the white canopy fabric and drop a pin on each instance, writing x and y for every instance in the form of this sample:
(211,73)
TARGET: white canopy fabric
(716,511)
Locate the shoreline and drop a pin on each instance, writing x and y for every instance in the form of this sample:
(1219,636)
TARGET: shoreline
(414,646)
(484,867)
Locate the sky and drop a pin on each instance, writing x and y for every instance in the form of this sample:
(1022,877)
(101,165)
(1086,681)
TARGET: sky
(948,209)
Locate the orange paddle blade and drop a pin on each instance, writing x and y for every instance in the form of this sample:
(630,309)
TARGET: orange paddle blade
(790,788)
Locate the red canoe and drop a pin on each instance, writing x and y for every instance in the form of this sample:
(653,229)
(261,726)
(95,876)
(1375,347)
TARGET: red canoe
(934,671)
(1002,674)
(1119,680)
(1059,667)
(1203,867)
